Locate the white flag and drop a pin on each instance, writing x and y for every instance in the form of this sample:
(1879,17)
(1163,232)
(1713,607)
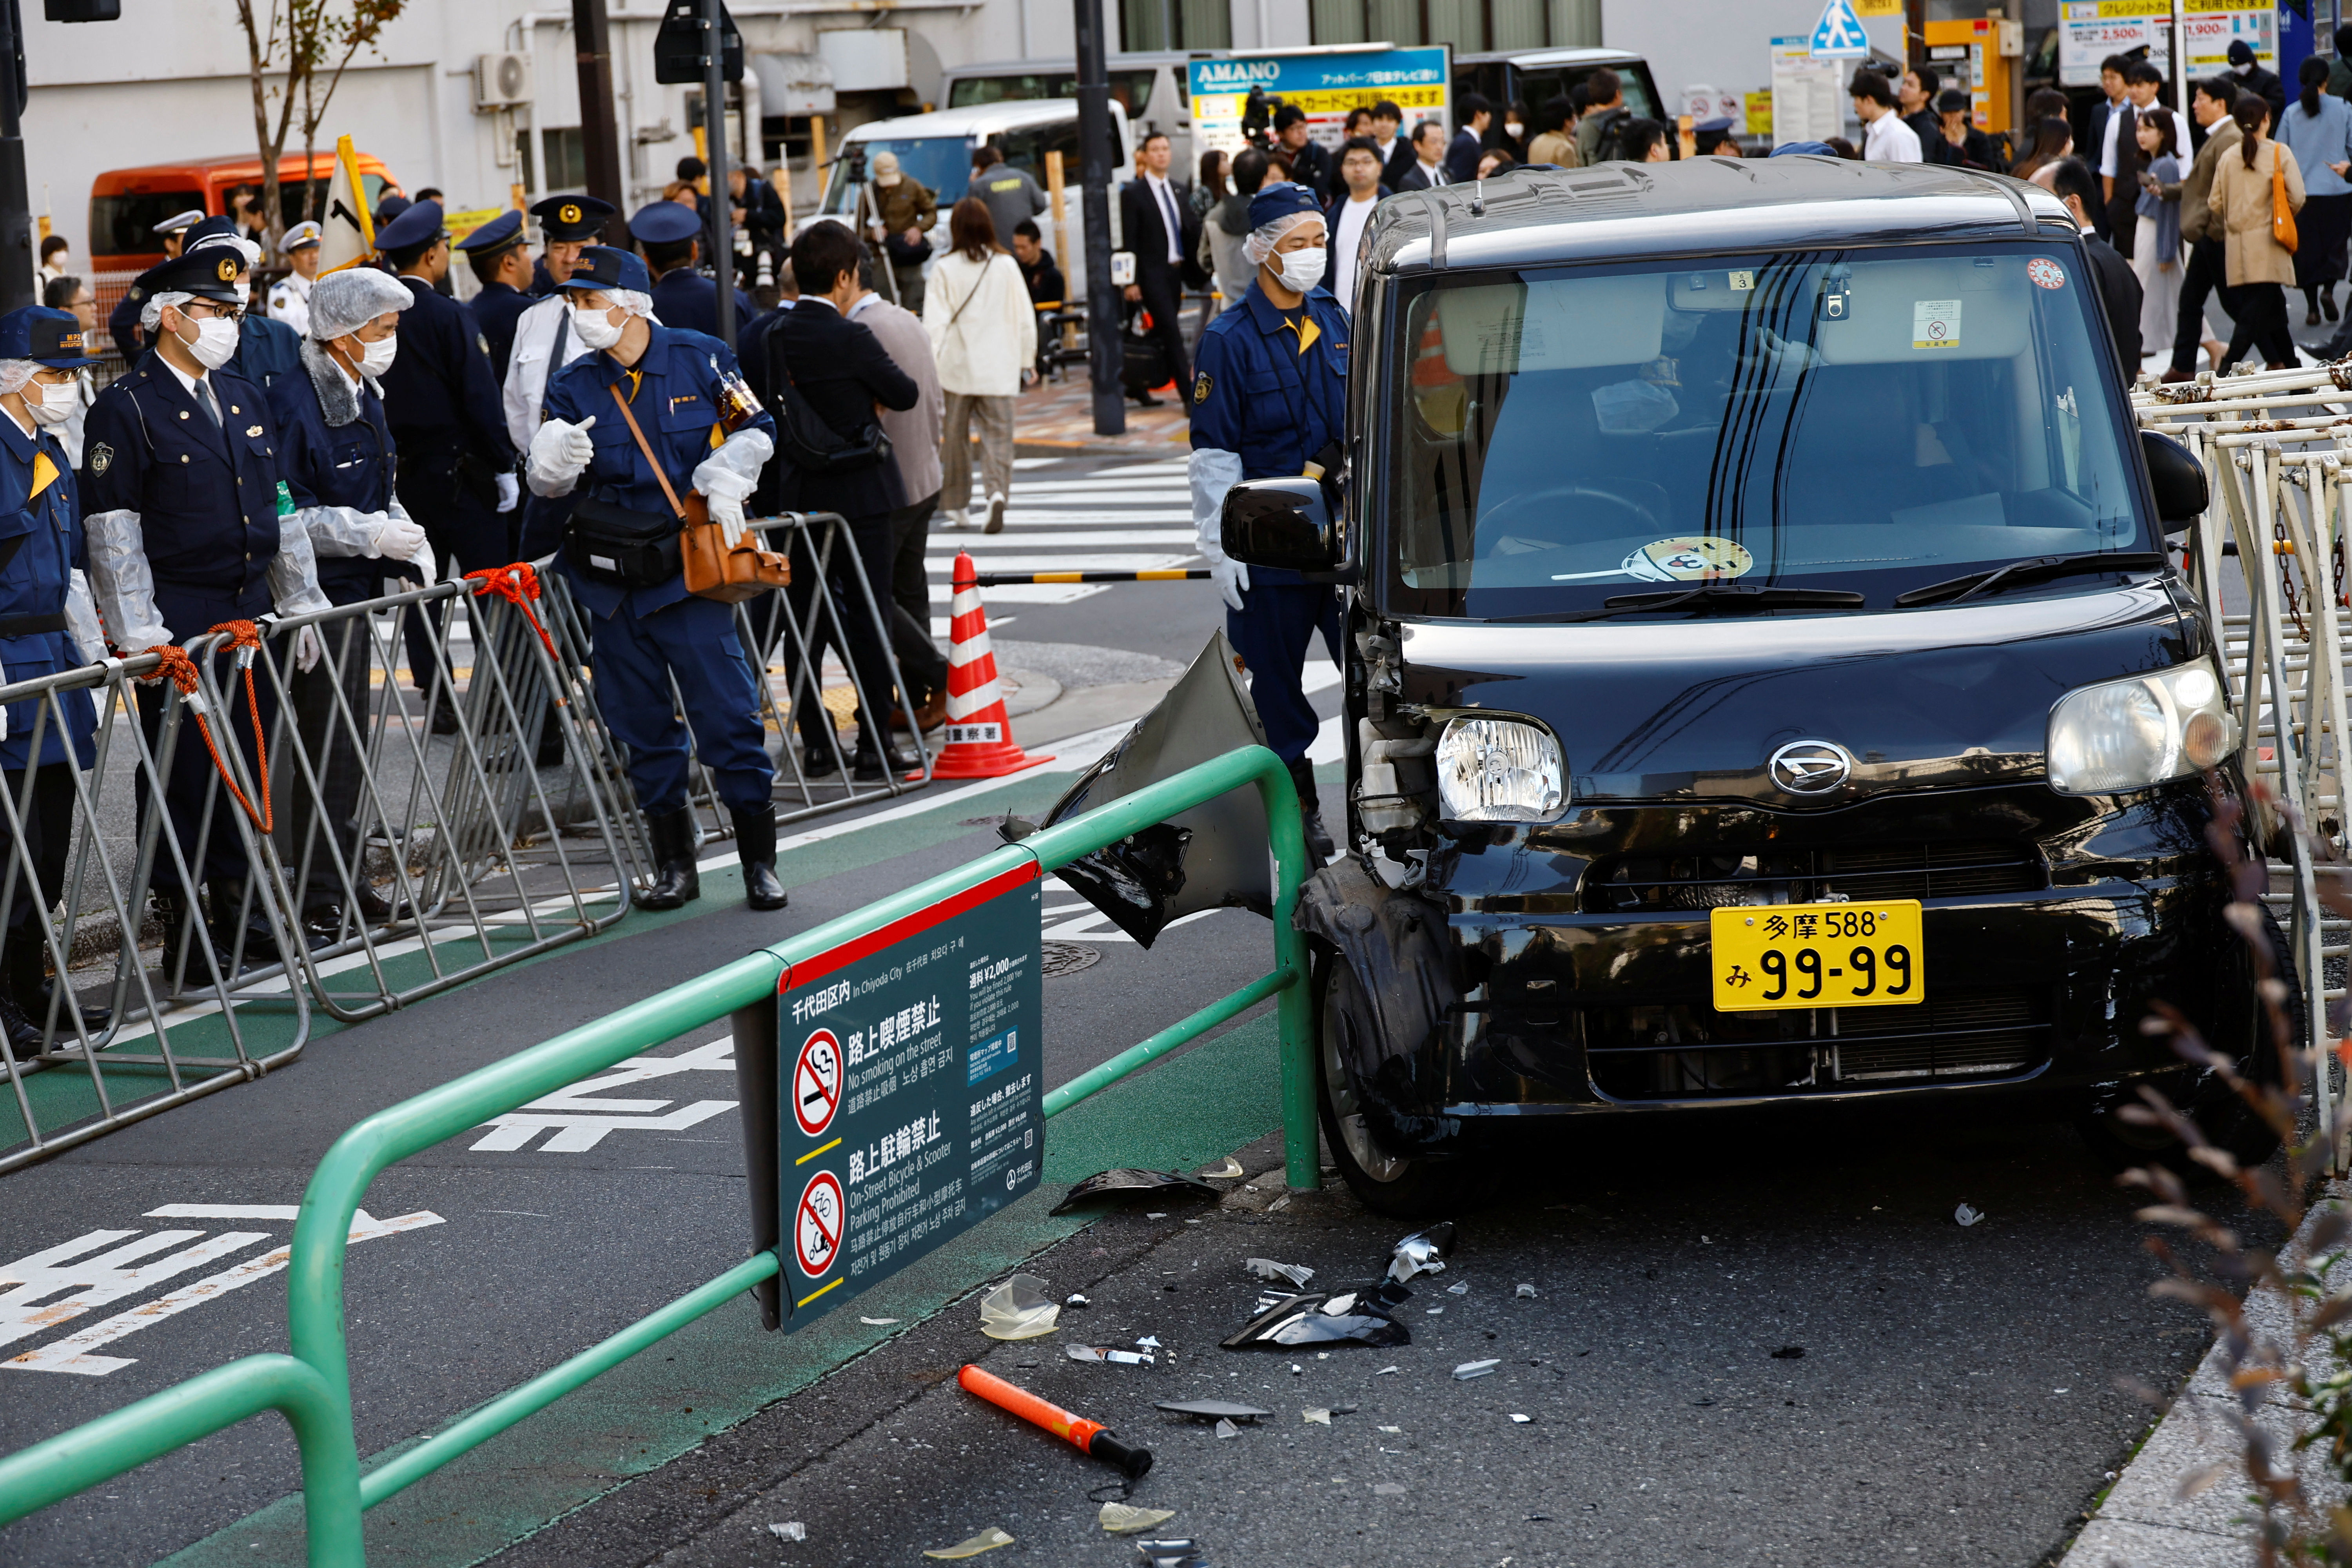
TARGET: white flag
(347,234)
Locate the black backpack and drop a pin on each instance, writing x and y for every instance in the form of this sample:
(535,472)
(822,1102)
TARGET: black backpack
(1612,141)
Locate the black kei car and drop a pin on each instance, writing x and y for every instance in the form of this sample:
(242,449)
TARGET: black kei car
(1766,680)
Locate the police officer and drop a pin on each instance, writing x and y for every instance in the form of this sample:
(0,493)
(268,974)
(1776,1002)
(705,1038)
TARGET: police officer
(501,264)
(122,321)
(180,480)
(544,341)
(1269,399)
(290,297)
(337,456)
(670,382)
(266,350)
(44,614)
(670,239)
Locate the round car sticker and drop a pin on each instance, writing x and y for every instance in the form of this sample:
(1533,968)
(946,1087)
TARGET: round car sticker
(1689,559)
(2046,273)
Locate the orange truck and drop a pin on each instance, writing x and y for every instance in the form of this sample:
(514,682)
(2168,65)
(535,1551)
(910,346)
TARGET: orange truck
(125,204)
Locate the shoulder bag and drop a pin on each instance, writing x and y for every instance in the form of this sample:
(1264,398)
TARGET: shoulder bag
(2282,214)
(716,566)
(806,441)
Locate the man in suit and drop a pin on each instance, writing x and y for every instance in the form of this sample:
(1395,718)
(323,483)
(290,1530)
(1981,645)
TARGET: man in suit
(841,371)
(1470,142)
(1162,231)
(1396,147)
(2119,290)
(2111,143)
(1427,171)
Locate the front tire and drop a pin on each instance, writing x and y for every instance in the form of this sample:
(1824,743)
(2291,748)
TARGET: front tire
(1405,1187)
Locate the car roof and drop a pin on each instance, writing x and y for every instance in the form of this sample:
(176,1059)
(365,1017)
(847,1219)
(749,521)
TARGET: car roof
(980,120)
(1533,217)
(229,165)
(1534,58)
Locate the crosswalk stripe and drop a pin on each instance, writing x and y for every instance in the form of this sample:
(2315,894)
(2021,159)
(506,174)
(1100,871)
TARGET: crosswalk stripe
(986,543)
(1072,563)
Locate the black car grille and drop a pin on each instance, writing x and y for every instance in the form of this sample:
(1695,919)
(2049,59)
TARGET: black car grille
(1679,1051)
(1730,878)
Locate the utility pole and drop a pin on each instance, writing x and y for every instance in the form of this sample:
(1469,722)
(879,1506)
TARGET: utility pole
(15,201)
(1093,150)
(600,133)
(714,114)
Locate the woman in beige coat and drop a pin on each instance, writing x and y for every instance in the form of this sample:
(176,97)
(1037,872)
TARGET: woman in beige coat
(2261,269)
(984,336)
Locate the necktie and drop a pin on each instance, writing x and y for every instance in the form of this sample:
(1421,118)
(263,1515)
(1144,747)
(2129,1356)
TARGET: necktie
(205,400)
(1168,216)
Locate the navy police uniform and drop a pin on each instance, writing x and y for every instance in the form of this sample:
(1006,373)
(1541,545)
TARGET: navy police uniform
(645,637)
(682,298)
(1272,386)
(496,306)
(266,349)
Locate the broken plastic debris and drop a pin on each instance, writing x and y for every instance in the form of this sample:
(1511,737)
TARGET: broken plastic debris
(1524,1291)
(1205,1408)
(876,1322)
(1385,1370)
(1134,1183)
(791,1530)
(1018,1309)
(1150,1342)
(1394,1429)
(1470,1369)
(1965,1215)
(1302,1320)
(1123,1519)
(1789,1352)
(1096,1352)
(1388,1489)
(1520,1420)
(1076,1300)
(1170,1553)
(1225,1170)
(1227,1429)
(1423,1252)
(1315,1418)
(1460,1288)
(1161,1216)
(987,1540)
(1384,1299)
(1298,1274)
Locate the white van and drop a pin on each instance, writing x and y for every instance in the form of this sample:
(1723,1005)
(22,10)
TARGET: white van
(1149,87)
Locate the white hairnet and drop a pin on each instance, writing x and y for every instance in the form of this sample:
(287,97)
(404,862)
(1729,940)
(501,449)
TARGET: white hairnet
(150,314)
(1262,239)
(16,375)
(345,301)
(629,299)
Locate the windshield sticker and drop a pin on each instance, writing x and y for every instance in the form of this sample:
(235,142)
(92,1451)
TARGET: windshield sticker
(2046,273)
(1742,282)
(1689,559)
(1935,323)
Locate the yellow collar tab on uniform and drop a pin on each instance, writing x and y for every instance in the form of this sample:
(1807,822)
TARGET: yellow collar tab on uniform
(44,472)
(1306,329)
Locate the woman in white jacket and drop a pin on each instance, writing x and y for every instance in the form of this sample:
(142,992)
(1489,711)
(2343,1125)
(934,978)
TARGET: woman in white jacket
(984,337)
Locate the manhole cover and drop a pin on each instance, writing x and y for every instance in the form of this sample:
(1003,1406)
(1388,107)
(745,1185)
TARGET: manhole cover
(1069,957)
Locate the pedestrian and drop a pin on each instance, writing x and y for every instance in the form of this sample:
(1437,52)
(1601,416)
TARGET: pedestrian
(75,297)
(1011,197)
(1295,143)
(915,452)
(840,370)
(1642,140)
(1270,399)
(457,464)
(1462,153)
(2053,140)
(904,211)
(1348,218)
(49,628)
(2318,129)
(1494,162)
(2339,66)
(1886,138)
(2110,134)
(2259,268)
(337,456)
(2119,292)
(629,425)
(500,256)
(1227,226)
(759,219)
(180,487)
(1512,136)
(1162,234)
(2205,270)
(1038,272)
(1915,100)
(2156,247)
(984,336)
(1966,146)
(290,297)
(1427,171)
(684,297)
(1604,112)
(1553,142)
(55,258)
(2253,78)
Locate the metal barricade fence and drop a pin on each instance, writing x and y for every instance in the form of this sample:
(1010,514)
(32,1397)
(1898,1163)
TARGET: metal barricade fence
(402,830)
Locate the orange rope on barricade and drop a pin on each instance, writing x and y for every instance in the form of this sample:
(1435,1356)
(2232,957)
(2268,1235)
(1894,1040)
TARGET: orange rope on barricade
(176,666)
(518,584)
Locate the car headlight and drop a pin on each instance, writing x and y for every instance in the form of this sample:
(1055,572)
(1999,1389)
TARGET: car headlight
(2127,734)
(1494,770)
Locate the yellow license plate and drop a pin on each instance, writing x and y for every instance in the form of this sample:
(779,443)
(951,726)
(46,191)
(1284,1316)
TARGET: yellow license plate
(1817,956)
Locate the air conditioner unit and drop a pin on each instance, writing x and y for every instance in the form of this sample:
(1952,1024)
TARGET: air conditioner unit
(501,81)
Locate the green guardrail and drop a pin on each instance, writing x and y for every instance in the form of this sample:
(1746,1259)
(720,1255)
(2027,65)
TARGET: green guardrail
(311,1386)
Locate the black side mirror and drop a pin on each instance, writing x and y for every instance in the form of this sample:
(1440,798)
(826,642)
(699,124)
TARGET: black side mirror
(1283,523)
(2179,480)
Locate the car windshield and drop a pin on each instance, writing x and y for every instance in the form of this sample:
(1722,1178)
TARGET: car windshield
(942,164)
(1871,421)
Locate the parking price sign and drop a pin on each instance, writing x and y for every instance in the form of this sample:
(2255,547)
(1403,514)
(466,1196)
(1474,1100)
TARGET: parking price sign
(913,1101)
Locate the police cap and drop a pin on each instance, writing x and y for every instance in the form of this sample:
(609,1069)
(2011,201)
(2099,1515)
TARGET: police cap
(608,267)
(178,222)
(1281,199)
(570,217)
(501,231)
(46,337)
(211,273)
(663,223)
(204,229)
(300,235)
(417,226)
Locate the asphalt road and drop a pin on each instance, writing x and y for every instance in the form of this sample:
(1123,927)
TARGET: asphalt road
(1956,1401)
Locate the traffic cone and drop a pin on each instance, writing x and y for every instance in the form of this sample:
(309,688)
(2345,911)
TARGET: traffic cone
(979,732)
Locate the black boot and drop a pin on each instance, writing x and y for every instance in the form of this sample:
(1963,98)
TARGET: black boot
(1310,811)
(755,842)
(24,967)
(675,882)
(185,940)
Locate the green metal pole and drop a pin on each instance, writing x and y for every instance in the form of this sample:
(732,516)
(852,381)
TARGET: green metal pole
(1095,1080)
(1295,1009)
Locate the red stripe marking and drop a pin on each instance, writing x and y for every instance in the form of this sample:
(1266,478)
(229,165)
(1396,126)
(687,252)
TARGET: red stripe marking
(860,947)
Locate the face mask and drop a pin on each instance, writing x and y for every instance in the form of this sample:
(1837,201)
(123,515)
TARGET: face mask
(2240,71)
(216,343)
(56,404)
(1512,128)
(595,328)
(1302,269)
(375,357)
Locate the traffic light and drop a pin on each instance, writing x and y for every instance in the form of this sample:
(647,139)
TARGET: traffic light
(83,10)
(680,52)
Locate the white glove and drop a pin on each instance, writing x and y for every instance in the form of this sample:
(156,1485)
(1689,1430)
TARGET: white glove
(307,649)
(1231,577)
(4,713)
(399,539)
(559,452)
(727,513)
(424,570)
(509,493)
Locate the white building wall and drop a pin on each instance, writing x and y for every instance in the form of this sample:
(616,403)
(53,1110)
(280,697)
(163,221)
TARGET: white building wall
(1722,44)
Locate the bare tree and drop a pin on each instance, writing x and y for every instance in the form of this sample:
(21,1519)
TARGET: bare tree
(309,43)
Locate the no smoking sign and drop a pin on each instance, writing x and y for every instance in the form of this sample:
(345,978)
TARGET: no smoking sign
(816,1082)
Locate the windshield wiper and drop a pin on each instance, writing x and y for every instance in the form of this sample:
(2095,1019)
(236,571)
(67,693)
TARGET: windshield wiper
(2036,569)
(1709,597)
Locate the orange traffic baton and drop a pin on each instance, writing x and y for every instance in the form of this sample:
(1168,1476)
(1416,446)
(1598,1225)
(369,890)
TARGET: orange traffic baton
(1090,1436)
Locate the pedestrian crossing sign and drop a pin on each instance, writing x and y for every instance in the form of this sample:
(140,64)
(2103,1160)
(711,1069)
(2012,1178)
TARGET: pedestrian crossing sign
(1839,32)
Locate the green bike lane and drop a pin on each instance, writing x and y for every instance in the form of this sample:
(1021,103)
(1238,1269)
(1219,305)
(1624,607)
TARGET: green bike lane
(493,1257)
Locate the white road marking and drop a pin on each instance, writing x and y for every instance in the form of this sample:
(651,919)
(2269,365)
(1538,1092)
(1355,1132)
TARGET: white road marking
(581,1123)
(108,1276)
(986,543)
(941,566)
